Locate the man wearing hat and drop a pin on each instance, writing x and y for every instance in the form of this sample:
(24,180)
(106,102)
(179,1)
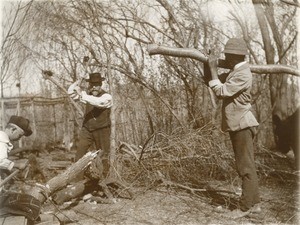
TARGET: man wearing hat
(238,120)
(16,128)
(96,122)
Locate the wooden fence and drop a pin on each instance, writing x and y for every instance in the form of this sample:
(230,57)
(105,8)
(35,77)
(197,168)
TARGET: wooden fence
(52,120)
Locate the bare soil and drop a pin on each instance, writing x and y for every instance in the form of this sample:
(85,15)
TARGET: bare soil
(163,204)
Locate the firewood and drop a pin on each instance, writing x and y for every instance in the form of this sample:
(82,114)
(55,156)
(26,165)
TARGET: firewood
(70,192)
(42,192)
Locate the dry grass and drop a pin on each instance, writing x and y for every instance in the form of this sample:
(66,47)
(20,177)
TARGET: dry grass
(186,156)
(201,162)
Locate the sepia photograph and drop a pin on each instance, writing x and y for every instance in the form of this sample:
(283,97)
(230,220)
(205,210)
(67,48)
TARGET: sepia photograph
(149,112)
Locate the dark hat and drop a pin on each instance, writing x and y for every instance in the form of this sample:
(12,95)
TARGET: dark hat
(22,123)
(95,78)
(236,46)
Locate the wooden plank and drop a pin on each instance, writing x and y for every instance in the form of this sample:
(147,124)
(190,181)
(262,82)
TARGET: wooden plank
(13,220)
(59,164)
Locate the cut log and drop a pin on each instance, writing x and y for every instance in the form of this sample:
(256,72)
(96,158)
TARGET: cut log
(42,192)
(192,53)
(59,165)
(70,192)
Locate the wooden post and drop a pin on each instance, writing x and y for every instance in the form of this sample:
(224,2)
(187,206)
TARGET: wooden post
(66,137)
(19,114)
(2,114)
(33,122)
(54,122)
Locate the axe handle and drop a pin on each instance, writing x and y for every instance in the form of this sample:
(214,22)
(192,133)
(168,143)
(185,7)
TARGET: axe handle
(9,177)
(4,181)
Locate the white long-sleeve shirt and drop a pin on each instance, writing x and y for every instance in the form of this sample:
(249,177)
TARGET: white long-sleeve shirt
(104,101)
(5,147)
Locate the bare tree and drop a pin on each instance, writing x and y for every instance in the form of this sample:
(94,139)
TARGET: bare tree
(15,15)
(115,37)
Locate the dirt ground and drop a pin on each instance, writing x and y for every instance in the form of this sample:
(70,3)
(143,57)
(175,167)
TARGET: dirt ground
(170,207)
(161,204)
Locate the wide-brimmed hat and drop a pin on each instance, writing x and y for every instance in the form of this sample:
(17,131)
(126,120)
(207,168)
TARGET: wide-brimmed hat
(22,123)
(95,78)
(236,46)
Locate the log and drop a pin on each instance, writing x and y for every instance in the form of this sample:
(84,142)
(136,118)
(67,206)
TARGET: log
(21,150)
(69,192)
(154,49)
(42,192)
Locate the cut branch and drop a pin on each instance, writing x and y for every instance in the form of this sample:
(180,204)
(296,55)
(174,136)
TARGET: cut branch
(41,192)
(155,49)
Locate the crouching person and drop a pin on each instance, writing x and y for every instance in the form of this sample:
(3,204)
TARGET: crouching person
(16,128)
(13,202)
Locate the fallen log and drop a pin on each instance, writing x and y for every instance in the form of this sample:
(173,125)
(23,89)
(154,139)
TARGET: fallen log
(42,192)
(69,192)
(155,49)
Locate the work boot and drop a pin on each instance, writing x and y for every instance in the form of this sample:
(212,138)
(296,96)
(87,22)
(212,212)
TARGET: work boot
(238,213)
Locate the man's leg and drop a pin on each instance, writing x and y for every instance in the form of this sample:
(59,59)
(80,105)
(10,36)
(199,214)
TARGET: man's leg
(85,140)
(242,142)
(102,138)
(82,145)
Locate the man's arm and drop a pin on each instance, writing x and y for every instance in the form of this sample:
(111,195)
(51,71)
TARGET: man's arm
(104,101)
(5,163)
(235,84)
(230,87)
(74,90)
(213,64)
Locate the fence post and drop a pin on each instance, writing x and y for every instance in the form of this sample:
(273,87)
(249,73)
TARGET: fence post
(2,114)
(66,137)
(19,114)
(33,118)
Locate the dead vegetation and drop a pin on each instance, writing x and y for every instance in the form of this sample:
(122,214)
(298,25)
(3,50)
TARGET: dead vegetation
(199,163)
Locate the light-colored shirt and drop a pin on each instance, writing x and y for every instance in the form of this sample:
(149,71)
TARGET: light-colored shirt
(5,147)
(103,101)
(235,92)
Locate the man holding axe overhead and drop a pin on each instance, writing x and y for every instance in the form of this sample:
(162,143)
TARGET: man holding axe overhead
(16,128)
(238,120)
(96,127)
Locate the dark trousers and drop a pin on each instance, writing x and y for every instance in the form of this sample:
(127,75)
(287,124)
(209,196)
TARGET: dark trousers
(101,139)
(242,142)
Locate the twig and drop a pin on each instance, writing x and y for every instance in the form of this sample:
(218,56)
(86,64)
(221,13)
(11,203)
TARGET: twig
(191,190)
